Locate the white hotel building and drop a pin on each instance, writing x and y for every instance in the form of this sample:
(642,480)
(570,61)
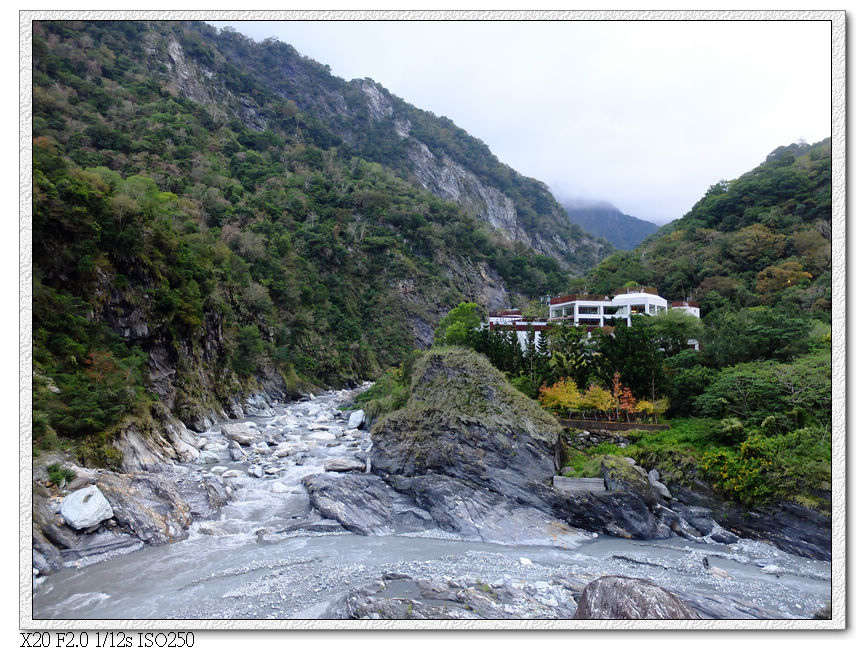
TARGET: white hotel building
(592,311)
(600,311)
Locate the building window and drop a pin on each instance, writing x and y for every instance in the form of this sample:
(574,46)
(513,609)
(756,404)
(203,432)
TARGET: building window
(590,321)
(588,310)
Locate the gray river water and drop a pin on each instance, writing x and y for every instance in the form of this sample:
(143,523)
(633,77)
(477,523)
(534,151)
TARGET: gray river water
(240,566)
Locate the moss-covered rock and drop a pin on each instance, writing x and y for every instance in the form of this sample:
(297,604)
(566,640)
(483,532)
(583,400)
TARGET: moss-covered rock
(621,475)
(463,419)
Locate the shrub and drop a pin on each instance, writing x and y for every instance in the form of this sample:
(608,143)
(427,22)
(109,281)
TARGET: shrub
(60,475)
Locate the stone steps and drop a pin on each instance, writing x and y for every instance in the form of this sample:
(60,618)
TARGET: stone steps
(576,485)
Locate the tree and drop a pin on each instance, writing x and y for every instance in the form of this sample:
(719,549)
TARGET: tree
(571,353)
(599,399)
(561,396)
(250,347)
(773,279)
(632,352)
(674,329)
(454,328)
(753,334)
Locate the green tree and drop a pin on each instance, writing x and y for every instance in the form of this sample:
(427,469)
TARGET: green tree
(250,347)
(571,353)
(632,352)
(454,328)
(674,329)
(752,334)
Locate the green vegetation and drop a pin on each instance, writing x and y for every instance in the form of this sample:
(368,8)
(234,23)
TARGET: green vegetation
(455,328)
(587,464)
(59,475)
(232,241)
(453,391)
(762,466)
(389,393)
(762,239)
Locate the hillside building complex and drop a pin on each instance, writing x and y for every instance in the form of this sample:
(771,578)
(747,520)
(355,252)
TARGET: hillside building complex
(591,311)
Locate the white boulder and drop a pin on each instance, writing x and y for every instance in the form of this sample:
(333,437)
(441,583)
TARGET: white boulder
(239,433)
(85,508)
(355,420)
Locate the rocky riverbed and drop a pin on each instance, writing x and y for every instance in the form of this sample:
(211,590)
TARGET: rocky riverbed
(297,511)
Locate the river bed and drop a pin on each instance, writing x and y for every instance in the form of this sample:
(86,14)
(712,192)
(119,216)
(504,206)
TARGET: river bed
(248,564)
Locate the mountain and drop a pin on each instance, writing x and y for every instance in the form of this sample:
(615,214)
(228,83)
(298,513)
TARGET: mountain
(226,69)
(605,220)
(761,239)
(215,217)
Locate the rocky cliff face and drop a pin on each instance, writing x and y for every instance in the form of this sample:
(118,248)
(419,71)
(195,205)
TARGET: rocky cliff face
(433,152)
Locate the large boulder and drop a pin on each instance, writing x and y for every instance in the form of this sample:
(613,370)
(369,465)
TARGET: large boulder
(620,475)
(85,508)
(478,514)
(355,420)
(619,513)
(344,465)
(464,420)
(239,434)
(619,597)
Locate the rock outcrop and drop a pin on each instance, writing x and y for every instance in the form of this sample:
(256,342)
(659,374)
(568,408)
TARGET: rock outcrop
(461,598)
(365,504)
(107,512)
(789,526)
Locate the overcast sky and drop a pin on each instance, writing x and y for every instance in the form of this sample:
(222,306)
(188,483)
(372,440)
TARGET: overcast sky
(645,115)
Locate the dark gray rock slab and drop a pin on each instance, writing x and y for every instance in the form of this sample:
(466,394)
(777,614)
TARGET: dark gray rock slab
(476,513)
(788,526)
(146,505)
(365,504)
(619,513)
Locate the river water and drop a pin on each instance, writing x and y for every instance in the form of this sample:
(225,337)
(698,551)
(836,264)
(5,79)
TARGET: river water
(244,564)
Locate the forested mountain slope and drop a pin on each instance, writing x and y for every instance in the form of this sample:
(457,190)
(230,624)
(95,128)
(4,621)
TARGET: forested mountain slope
(212,215)
(605,220)
(762,239)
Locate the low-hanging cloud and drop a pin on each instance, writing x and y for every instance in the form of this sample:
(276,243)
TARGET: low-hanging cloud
(646,115)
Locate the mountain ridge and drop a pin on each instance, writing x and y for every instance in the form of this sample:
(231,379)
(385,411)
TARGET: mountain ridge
(603,219)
